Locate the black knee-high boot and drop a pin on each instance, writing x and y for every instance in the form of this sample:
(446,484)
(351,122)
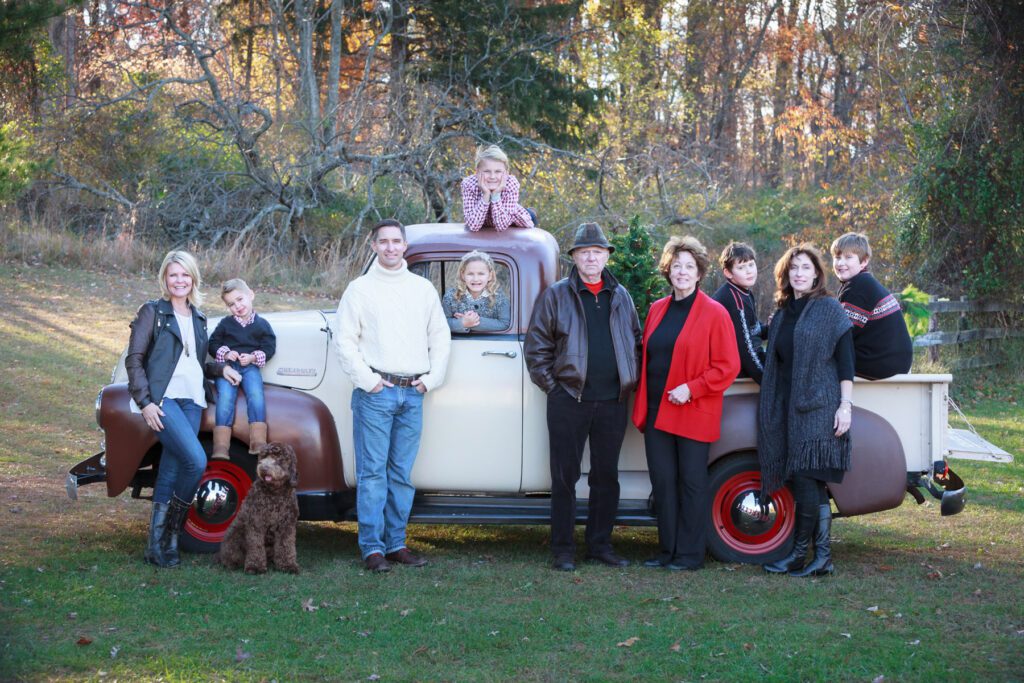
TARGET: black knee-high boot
(821,565)
(154,549)
(176,514)
(806,517)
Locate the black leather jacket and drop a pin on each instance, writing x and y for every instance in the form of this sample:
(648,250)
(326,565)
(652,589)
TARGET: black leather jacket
(154,348)
(556,343)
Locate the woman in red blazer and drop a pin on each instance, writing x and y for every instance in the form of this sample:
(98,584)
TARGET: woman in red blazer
(689,359)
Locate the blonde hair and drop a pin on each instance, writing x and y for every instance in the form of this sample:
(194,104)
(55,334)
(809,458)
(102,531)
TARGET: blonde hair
(188,262)
(492,152)
(677,245)
(853,242)
(483,257)
(233,284)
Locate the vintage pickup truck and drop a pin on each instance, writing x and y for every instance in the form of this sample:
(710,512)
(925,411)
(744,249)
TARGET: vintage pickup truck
(493,466)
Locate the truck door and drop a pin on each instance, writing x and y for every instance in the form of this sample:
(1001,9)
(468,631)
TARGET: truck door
(473,424)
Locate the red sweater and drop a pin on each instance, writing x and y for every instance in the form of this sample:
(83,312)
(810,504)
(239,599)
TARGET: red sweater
(705,358)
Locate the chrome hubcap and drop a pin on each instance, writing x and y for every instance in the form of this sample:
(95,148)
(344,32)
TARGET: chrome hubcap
(750,517)
(216,501)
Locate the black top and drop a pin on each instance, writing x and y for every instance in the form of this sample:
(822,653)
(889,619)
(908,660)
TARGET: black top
(784,351)
(256,336)
(660,346)
(881,341)
(749,340)
(602,381)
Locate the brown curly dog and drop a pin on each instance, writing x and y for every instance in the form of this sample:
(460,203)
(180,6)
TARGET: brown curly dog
(265,525)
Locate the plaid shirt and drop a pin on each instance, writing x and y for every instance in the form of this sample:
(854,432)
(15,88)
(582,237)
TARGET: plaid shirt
(260,358)
(500,214)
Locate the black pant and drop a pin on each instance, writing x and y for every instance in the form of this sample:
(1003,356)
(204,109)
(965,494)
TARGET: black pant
(808,492)
(679,479)
(570,424)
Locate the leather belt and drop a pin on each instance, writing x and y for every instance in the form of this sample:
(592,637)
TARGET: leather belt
(397,380)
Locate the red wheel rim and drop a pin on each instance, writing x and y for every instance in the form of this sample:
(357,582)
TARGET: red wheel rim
(751,533)
(221,491)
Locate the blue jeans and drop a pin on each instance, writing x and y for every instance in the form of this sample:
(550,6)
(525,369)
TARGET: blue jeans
(227,394)
(183,460)
(386,428)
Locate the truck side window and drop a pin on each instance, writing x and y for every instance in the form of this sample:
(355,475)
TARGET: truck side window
(444,276)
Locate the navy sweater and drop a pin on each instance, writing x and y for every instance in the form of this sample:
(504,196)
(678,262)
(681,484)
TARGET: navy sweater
(257,336)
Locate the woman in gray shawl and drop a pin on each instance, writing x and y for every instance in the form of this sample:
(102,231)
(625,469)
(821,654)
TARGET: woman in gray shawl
(805,404)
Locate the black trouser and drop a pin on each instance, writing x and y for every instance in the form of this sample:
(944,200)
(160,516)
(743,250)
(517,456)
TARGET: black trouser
(808,492)
(679,479)
(570,424)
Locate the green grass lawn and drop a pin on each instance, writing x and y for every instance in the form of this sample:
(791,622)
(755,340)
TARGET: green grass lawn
(916,596)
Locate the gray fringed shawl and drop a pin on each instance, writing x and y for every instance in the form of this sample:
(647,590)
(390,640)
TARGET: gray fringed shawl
(803,437)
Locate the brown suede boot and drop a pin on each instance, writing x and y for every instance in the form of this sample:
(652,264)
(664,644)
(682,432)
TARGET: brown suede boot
(221,443)
(257,436)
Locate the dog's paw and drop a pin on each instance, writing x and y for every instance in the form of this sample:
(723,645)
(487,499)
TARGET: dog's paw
(253,569)
(290,568)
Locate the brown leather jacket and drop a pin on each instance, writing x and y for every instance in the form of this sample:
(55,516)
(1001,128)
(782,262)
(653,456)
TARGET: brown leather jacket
(556,343)
(154,348)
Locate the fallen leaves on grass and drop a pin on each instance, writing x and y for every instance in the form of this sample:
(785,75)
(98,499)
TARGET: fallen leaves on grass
(308,606)
(114,650)
(629,642)
(84,640)
(241,655)
(676,646)
(406,612)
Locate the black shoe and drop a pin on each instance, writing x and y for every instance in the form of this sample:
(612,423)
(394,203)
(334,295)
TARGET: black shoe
(154,552)
(610,558)
(564,562)
(794,561)
(654,563)
(681,567)
(821,565)
(177,513)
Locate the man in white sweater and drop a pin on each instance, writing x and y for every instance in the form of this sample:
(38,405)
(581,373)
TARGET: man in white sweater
(394,343)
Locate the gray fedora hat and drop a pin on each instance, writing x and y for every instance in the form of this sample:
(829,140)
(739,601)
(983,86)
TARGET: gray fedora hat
(590,235)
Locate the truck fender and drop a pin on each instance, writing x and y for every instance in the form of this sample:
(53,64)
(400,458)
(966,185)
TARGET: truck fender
(293,417)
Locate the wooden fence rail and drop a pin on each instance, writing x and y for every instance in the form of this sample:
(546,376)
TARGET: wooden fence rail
(936,338)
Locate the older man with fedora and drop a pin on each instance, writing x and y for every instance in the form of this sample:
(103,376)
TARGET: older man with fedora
(582,349)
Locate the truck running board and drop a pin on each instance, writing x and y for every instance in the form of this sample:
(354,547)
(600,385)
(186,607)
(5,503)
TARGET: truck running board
(454,509)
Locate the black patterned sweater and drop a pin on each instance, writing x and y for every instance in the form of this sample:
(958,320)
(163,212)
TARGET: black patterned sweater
(749,331)
(881,342)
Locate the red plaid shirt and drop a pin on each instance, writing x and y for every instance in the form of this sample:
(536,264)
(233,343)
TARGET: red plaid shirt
(500,214)
(260,358)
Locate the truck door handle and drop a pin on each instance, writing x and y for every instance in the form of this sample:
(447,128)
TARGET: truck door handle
(507,354)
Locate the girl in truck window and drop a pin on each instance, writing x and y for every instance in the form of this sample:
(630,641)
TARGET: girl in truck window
(476,304)
(490,197)
(805,406)
(166,363)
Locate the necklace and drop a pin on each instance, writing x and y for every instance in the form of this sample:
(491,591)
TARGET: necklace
(186,332)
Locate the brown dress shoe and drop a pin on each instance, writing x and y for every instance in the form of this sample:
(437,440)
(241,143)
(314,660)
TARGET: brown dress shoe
(404,556)
(609,557)
(563,562)
(376,563)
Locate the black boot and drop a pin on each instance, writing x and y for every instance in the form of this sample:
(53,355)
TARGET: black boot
(177,512)
(821,565)
(154,552)
(805,519)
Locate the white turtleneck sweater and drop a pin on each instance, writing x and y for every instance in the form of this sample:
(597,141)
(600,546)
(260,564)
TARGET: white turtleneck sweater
(392,320)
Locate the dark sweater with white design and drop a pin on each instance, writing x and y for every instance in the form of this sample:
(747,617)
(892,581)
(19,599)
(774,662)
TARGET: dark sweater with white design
(881,341)
(749,332)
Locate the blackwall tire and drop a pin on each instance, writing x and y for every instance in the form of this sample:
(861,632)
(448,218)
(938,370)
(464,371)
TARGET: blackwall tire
(224,486)
(738,529)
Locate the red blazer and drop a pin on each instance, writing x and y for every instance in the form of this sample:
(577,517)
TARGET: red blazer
(705,358)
